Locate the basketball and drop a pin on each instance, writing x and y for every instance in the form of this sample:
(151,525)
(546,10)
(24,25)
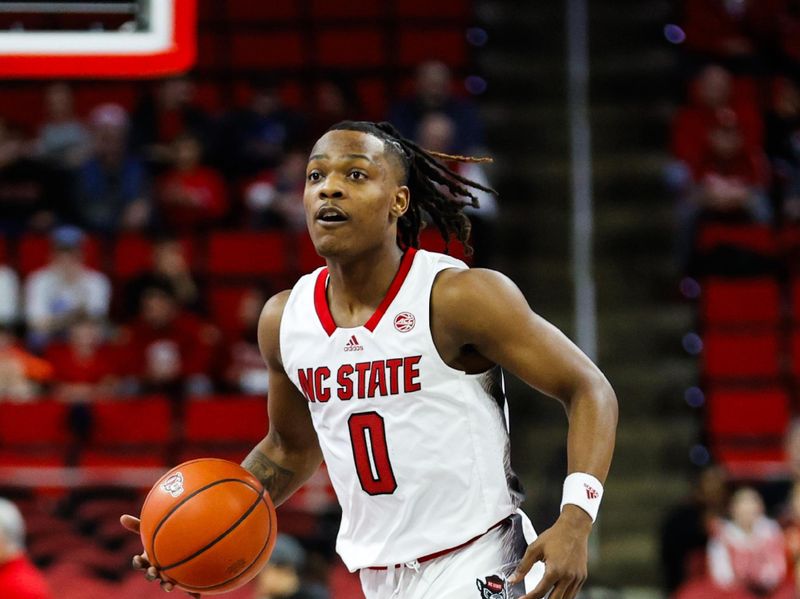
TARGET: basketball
(208,526)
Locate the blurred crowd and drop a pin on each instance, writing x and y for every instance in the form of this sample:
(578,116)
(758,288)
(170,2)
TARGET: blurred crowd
(169,171)
(735,139)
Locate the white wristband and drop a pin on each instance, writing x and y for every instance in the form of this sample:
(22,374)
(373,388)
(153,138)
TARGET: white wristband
(583,490)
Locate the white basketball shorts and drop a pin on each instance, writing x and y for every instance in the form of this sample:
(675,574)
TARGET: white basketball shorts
(477,571)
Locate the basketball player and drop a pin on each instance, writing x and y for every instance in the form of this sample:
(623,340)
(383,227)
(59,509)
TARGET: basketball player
(386,364)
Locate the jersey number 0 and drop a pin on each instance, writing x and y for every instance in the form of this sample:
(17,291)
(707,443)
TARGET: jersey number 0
(371,454)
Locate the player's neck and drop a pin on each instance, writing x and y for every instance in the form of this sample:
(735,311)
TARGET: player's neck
(361,284)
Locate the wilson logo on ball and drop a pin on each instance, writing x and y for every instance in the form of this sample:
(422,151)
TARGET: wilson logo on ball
(404,322)
(174,484)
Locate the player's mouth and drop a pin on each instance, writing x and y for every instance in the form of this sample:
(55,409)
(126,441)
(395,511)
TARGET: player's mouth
(330,216)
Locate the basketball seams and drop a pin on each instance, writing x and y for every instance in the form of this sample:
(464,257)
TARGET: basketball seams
(181,503)
(250,565)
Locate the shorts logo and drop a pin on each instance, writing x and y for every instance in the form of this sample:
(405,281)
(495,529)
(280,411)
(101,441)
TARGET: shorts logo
(493,588)
(353,345)
(404,322)
(173,485)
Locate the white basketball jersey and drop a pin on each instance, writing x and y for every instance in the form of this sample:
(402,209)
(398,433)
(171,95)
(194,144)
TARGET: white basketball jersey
(417,451)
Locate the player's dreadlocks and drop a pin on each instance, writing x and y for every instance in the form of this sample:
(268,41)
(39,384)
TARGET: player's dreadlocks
(425,175)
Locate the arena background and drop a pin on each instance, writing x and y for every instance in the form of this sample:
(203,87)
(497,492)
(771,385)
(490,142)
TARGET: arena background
(625,218)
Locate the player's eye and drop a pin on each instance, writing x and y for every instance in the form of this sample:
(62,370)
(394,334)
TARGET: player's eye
(314,176)
(357,175)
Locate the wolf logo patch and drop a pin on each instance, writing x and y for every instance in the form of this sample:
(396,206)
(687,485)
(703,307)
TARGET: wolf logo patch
(493,588)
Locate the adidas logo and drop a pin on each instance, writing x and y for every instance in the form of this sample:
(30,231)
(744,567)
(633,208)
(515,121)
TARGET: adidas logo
(590,492)
(353,345)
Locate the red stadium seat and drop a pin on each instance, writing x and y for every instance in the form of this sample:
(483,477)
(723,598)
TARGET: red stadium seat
(143,421)
(743,302)
(308,259)
(27,425)
(267,12)
(352,10)
(795,301)
(271,50)
(441,9)
(741,355)
(350,48)
(747,426)
(33,252)
(224,301)
(133,254)
(430,239)
(420,45)
(234,419)
(247,254)
(374,97)
(796,354)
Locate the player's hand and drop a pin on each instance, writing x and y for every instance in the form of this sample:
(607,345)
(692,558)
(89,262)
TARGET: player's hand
(564,550)
(140,562)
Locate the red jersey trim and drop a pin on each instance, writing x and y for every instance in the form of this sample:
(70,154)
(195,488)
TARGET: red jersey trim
(321,299)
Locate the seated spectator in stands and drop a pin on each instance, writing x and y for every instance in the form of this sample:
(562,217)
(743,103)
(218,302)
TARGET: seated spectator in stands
(255,138)
(713,91)
(112,185)
(63,140)
(161,117)
(335,99)
(22,374)
(29,189)
(171,267)
(282,577)
(791,531)
(19,578)
(434,93)
(243,367)
(747,552)
(65,288)
(437,133)
(191,195)
(84,368)
(168,349)
(9,296)
(731,179)
(720,29)
(783,146)
(684,531)
(274,198)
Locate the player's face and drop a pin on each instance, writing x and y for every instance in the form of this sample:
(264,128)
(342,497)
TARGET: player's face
(353,194)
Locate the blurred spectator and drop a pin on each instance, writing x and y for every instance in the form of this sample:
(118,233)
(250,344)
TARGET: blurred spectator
(783,146)
(21,373)
(112,186)
(9,296)
(437,133)
(191,195)
(171,267)
(19,578)
(256,137)
(31,195)
(684,531)
(63,140)
(244,369)
(720,29)
(282,577)
(274,198)
(66,287)
(434,93)
(166,348)
(334,100)
(791,532)
(712,92)
(84,368)
(161,117)
(747,552)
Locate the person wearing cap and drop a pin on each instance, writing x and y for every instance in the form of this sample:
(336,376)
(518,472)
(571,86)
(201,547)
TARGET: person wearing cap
(19,578)
(63,289)
(112,187)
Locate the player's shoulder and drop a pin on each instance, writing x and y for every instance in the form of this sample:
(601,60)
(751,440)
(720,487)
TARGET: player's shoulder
(474,285)
(272,312)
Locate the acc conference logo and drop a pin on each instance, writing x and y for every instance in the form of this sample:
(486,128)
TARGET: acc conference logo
(404,322)
(173,485)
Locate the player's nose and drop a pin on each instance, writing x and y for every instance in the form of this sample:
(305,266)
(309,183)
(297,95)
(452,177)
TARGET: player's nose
(331,188)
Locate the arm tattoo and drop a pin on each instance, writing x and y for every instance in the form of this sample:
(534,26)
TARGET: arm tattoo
(275,478)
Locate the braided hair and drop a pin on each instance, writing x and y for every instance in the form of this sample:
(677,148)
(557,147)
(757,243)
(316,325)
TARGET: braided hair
(426,175)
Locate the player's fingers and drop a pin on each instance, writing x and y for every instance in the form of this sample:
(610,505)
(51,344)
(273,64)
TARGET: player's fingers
(151,573)
(561,590)
(545,584)
(167,586)
(140,562)
(130,522)
(532,555)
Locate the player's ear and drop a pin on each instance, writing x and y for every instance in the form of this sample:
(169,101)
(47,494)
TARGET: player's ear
(400,202)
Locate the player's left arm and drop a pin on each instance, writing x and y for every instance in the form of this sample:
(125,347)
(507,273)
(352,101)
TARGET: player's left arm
(481,311)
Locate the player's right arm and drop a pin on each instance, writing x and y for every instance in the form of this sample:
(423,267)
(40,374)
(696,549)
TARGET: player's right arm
(290,452)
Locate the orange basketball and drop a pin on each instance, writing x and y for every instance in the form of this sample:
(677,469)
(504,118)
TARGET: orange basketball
(208,525)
